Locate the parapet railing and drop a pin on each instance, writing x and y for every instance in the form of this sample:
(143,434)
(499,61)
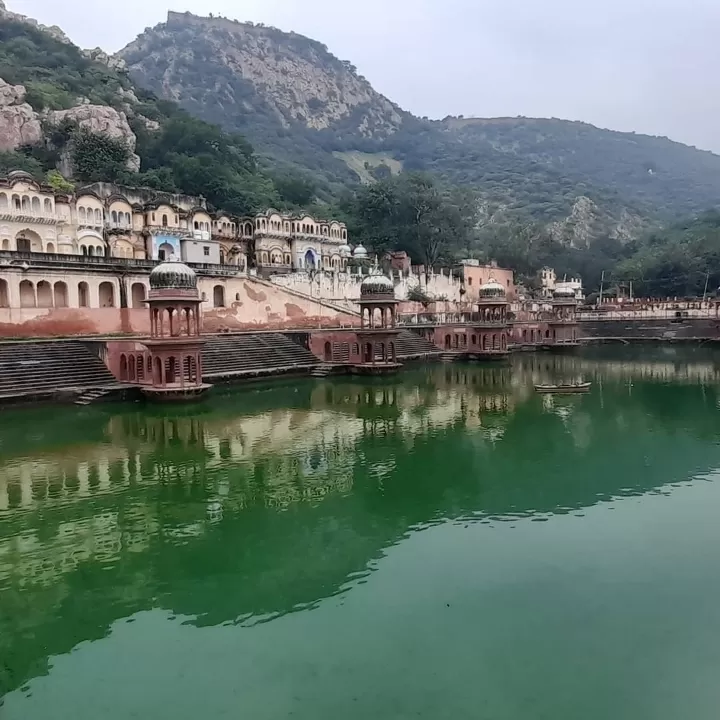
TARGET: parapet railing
(666,314)
(448,318)
(10,257)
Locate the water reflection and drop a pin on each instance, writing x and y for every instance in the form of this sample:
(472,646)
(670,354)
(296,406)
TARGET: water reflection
(263,501)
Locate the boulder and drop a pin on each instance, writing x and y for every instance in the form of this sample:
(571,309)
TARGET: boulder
(19,123)
(101,119)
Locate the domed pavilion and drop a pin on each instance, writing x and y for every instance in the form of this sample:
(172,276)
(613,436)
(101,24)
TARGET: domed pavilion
(175,343)
(491,331)
(378,332)
(563,322)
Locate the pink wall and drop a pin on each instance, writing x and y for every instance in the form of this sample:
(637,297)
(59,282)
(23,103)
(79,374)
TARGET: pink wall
(62,322)
(253,305)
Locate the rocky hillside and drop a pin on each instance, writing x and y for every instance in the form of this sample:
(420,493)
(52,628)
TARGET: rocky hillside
(283,90)
(305,108)
(78,113)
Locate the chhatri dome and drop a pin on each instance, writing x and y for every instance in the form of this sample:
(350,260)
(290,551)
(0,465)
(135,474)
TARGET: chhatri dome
(360,253)
(345,250)
(376,285)
(173,275)
(492,288)
(563,291)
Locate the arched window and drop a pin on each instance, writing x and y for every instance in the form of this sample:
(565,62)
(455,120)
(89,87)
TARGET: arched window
(106,295)
(114,217)
(48,206)
(123,367)
(27,294)
(3,202)
(138,295)
(164,221)
(81,214)
(60,294)
(218,296)
(4,294)
(91,250)
(25,203)
(50,248)
(98,217)
(36,206)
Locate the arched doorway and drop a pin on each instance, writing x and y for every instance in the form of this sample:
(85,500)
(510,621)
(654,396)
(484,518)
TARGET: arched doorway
(27,294)
(328,352)
(60,294)
(448,342)
(106,295)
(28,241)
(218,296)
(165,251)
(310,260)
(44,294)
(4,294)
(83,295)
(123,367)
(138,295)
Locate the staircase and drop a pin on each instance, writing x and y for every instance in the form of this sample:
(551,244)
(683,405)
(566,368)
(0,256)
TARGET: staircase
(254,354)
(409,345)
(448,357)
(90,396)
(41,368)
(321,371)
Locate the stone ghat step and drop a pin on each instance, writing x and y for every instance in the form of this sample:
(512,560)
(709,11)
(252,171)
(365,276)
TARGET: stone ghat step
(48,383)
(247,353)
(36,367)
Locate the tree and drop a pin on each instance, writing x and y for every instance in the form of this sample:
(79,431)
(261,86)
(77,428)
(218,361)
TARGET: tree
(414,213)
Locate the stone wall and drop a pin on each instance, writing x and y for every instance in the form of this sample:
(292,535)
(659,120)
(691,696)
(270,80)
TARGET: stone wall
(651,329)
(344,287)
(243,304)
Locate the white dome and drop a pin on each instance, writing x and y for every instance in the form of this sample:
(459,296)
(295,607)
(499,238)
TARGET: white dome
(360,252)
(377,284)
(345,251)
(377,280)
(562,290)
(492,287)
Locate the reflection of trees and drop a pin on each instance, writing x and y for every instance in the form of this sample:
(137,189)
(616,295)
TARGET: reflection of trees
(205,515)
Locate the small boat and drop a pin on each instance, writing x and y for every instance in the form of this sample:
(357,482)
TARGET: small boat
(568,388)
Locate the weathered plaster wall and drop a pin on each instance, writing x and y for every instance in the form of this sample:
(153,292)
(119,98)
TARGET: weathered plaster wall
(340,341)
(62,322)
(254,305)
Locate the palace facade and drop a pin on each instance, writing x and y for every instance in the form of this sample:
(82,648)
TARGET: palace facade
(140,224)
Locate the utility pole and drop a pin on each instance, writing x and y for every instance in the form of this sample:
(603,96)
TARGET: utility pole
(631,291)
(602,283)
(707,279)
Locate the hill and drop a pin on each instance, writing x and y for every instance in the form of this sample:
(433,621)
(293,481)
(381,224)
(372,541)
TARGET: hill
(305,109)
(79,113)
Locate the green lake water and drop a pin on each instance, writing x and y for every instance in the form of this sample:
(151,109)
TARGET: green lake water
(445,544)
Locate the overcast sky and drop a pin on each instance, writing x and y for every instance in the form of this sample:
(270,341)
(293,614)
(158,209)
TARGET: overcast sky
(652,66)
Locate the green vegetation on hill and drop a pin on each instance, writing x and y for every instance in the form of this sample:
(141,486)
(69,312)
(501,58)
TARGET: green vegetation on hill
(184,154)
(305,109)
(524,192)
